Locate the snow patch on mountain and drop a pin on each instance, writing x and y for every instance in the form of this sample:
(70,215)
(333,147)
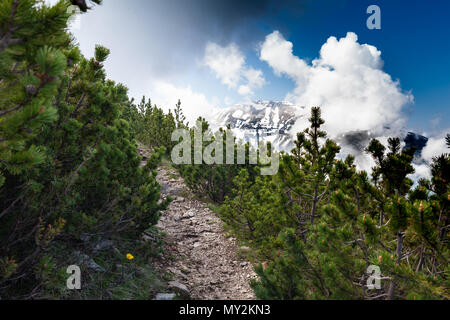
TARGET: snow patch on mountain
(268,121)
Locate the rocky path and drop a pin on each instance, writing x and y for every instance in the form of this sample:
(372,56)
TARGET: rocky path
(197,254)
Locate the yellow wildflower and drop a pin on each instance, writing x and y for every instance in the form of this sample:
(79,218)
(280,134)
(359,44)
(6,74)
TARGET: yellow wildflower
(130,256)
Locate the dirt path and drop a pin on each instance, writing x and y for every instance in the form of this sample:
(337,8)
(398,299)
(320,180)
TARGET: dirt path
(197,252)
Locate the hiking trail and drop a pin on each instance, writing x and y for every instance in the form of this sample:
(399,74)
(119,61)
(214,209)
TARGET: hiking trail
(197,252)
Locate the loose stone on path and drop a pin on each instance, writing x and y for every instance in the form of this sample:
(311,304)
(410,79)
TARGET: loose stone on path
(197,254)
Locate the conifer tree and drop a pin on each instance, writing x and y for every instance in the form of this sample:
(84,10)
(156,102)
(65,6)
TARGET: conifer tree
(413,221)
(70,168)
(215,181)
(180,118)
(330,262)
(254,211)
(152,126)
(312,249)
(304,173)
(359,224)
(31,66)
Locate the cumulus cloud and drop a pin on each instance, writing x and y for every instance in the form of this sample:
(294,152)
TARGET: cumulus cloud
(277,52)
(359,101)
(346,81)
(165,95)
(435,147)
(421,171)
(228,63)
(255,80)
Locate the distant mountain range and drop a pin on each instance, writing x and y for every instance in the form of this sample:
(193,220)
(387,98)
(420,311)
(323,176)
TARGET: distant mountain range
(261,121)
(267,120)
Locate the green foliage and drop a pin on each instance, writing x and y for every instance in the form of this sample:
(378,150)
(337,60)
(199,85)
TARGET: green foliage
(151,126)
(70,171)
(330,259)
(180,118)
(215,181)
(71,175)
(304,173)
(319,223)
(31,67)
(252,211)
(393,167)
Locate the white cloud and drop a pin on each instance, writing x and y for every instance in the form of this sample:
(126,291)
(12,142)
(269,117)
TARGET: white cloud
(165,95)
(228,63)
(421,170)
(435,147)
(346,81)
(244,90)
(277,52)
(255,80)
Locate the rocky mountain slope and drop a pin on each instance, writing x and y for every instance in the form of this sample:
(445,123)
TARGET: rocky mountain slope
(261,121)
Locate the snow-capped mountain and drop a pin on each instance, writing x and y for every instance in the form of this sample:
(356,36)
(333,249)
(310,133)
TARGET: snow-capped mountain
(261,121)
(272,121)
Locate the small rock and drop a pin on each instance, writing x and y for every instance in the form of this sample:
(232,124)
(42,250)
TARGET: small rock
(181,289)
(117,251)
(103,245)
(179,199)
(160,224)
(244,264)
(140,272)
(215,282)
(177,273)
(188,214)
(148,237)
(85,237)
(165,296)
(83,259)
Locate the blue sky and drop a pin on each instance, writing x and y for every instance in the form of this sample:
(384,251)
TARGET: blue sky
(414,40)
(159,49)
